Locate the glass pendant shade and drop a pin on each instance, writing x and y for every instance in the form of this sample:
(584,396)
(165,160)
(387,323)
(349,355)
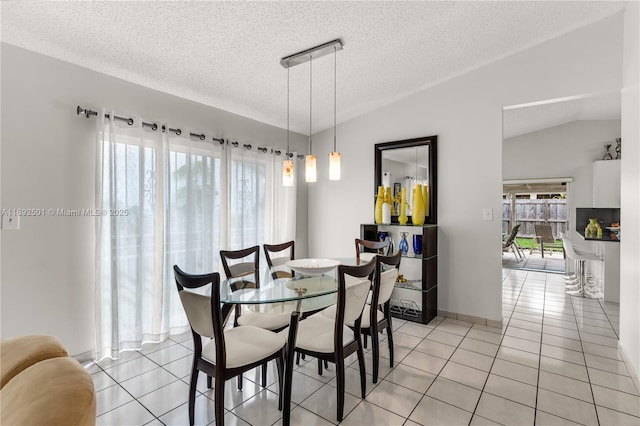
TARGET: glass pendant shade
(334,166)
(287,173)
(310,168)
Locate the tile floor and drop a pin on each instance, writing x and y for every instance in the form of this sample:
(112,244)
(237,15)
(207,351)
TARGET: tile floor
(554,362)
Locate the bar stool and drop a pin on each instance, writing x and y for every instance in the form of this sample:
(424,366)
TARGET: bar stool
(578,284)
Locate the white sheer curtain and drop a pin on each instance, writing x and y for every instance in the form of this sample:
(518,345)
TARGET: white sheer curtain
(170,200)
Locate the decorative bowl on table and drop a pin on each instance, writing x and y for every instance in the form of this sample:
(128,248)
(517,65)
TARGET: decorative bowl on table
(312,266)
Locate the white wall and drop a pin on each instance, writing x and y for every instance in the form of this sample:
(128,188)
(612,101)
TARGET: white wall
(47,161)
(466,114)
(568,150)
(630,193)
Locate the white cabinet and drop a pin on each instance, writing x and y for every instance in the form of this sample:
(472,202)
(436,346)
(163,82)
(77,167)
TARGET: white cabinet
(606,183)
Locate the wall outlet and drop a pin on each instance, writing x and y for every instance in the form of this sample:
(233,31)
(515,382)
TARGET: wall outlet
(10,223)
(487,214)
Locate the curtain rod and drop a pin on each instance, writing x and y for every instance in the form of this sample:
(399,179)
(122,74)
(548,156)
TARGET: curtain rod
(153,126)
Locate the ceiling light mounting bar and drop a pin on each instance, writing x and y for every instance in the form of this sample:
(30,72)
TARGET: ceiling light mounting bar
(312,53)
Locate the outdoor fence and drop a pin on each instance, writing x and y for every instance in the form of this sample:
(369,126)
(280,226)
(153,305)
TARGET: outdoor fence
(530,212)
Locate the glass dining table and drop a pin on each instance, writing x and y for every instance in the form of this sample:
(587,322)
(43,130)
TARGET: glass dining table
(298,295)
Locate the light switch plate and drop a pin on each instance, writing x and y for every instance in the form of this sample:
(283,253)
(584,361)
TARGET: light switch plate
(487,214)
(10,223)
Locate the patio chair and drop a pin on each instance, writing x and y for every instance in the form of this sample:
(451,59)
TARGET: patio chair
(545,239)
(511,243)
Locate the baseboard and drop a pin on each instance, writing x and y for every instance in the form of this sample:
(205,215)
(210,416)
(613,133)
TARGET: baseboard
(471,318)
(634,374)
(85,357)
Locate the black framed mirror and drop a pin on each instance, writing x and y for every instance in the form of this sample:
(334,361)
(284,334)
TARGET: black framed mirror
(404,163)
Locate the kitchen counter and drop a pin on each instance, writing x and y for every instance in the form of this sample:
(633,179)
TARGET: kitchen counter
(608,271)
(606,237)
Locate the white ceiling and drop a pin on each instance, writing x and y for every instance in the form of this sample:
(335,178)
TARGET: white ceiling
(226,54)
(525,119)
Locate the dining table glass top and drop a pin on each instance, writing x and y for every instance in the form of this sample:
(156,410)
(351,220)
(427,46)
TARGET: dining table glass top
(314,291)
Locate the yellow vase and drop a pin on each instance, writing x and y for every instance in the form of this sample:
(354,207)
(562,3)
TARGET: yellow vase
(402,217)
(379,201)
(417,210)
(425,199)
(386,206)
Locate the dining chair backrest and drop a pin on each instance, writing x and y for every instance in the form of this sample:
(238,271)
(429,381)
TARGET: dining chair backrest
(204,312)
(387,268)
(242,263)
(376,246)
(352,296)
(278,261)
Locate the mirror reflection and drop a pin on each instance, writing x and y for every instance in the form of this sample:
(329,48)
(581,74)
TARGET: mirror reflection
(403,165)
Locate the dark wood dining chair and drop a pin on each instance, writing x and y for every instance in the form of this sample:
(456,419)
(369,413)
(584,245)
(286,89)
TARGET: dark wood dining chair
(375,247)
(274,262)
(230,352)
(376,317)
(242,268)
(329,339)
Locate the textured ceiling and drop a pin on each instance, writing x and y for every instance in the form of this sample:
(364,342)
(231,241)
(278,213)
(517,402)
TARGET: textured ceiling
(226,54)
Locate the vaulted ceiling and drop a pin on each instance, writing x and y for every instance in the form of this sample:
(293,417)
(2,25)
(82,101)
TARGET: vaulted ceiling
(226,54)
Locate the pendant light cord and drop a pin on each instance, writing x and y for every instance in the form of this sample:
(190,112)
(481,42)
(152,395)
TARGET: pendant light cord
(310,99)
(288,85)
(335,74)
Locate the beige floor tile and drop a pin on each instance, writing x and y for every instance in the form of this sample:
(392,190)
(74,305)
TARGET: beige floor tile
(166,398)
(567,407)
(424,362)
(612,381)
(395,398)
(472,359)
(367,413)
(324,403)
(434,348)
(261,408)
(453,393)
(130,413)
(514,371)
(612,417)
(111,398)
(466,375)
(565,385)
(519,357)
(479,346)
(512,390)
(557,352)
(485,336)
(564,368)
(445,337)
(521,344)
(534,336)
(606,364)
(504,411)
(433,412)
(563,342)
(411,378)
(616,400)
(546,419)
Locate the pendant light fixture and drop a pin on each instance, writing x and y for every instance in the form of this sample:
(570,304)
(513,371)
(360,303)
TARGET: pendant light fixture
(309,55)
(310,159)
(334,156)
(287,163)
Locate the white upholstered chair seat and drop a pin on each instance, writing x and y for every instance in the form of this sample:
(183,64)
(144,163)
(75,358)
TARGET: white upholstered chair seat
(316,334)
(245,345)
(267,321)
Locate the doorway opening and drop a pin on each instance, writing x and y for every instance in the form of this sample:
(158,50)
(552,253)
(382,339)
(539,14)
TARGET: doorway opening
(535,206)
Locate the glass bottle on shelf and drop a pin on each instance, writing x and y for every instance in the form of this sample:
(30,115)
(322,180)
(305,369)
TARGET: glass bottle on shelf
(404,244)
